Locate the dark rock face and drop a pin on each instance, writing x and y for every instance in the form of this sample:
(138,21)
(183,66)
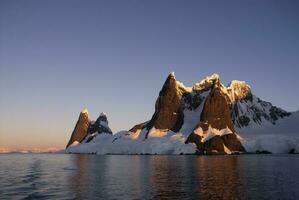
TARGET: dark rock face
(232,142)
(215,144)
(168,112)
(81,128)
(138,127)
(276,113)
(240,121)
(263,152)
(100,125)
(196,139)
(216,111)
(247,111)
(216,114)
(191,100)
(293,151)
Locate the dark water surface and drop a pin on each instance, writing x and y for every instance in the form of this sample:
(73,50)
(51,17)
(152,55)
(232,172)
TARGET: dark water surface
(65,176)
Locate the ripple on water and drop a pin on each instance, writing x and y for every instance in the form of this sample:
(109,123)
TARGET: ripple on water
(148,177)
(70,168)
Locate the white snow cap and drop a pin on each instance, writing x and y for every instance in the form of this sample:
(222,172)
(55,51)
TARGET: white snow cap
(213,76)
(237,83)
(172,74)
(84,111)
(209,80)
(238,89)
(103,114)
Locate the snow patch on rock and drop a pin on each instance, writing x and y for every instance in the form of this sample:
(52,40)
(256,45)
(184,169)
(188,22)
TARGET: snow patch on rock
(211,132)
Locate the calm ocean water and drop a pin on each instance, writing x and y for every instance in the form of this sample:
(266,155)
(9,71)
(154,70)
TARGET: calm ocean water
(66,176)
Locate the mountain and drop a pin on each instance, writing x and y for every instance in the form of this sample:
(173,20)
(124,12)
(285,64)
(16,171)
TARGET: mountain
(81,128)
(207,118)
(85,130)
(279,137)
(249,110)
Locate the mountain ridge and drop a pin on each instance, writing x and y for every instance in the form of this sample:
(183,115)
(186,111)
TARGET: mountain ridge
(205,115)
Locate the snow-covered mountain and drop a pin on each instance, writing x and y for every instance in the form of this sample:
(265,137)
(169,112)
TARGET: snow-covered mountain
(249,110)
(205,118)
(279,137)
(85,129)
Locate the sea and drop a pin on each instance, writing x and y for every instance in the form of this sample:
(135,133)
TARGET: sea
(78,176)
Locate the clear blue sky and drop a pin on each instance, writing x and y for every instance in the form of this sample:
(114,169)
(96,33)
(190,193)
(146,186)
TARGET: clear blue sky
(57,57)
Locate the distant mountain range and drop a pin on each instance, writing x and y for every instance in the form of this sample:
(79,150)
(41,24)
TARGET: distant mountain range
(206,118)
(36,150)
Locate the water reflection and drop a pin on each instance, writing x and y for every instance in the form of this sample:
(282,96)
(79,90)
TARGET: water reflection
(178,177)
(195,178)
(79,180)
(217,178)
(168,177)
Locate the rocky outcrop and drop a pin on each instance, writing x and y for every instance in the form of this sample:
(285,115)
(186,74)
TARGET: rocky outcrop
(98,127)
(168,113)
(85,130)
(216,111)
(207,114)
(81,129)
(138,127)
(238,90)
(206,83)
(220,144)
(216,116)
(249,110)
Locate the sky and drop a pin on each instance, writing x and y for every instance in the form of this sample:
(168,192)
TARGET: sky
(58,57)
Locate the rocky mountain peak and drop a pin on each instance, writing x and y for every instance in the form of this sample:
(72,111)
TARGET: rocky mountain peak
(168,112)
(172,85)
(172,74)
(238,90)
(100,125)
(84,111)
(103,117)
(81,129)
(216,122)
(207,82)
(216,111)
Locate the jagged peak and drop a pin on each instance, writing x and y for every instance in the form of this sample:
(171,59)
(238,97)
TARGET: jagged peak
(84,112)
(183,87)
(213,76)
(172,83)
(235,90)
(238,83)
(238,90)
(102,117)
(103,114)
(208,81)
(172,74)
